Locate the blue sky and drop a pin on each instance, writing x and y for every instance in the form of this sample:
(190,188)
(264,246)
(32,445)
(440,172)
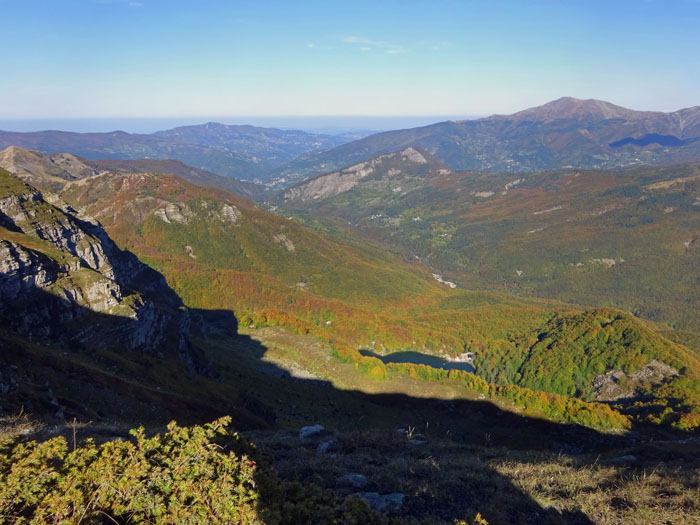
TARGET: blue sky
(186,58)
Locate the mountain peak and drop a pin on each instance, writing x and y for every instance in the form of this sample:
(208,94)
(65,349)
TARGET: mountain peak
(574,108)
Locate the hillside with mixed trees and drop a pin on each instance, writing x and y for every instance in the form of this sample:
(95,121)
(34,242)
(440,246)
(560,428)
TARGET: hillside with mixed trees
(580,236)
(208,243)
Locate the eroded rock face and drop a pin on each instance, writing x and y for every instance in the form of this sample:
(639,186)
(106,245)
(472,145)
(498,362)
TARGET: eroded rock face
(413,155)
(178,213)
(616,384)
(63,278)
(35,217)
(21,270)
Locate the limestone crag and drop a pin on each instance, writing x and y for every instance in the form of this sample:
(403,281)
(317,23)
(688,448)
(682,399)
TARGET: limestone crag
(618,385)
(22,270)
(35,217)
(62,277)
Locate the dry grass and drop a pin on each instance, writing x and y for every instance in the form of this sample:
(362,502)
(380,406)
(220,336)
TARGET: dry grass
(444,480)
(608,494)
(17,425)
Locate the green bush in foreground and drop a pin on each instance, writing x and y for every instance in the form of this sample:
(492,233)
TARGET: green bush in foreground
(182,476)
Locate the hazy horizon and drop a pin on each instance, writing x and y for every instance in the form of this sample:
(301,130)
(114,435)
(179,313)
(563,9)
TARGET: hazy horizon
(154,58)
(330,124)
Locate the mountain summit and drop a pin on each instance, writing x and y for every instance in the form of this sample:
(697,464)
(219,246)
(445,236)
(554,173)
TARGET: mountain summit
(576,108)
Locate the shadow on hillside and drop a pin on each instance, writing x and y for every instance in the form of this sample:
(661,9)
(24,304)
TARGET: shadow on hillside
(65,361)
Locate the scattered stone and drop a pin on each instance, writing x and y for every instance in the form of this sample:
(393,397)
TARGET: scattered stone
(383,502)
(622,460)
(230,214)
(325,446)
(353,479)
(549,210)
(281,238)
(305,432)
(609,262)
(511,184)
(439,279)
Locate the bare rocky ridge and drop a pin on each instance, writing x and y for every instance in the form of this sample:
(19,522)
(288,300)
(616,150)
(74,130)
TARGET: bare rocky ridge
(44,171)
(330,184)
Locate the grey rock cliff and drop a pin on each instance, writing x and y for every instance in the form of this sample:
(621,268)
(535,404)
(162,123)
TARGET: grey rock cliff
(63,278)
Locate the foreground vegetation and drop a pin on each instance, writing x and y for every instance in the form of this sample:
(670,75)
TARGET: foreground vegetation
(182,476)
(208,474)
(186,475)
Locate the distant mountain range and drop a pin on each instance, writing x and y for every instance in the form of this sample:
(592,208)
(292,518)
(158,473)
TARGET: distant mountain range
(52,172)
(568,132)
(245,152)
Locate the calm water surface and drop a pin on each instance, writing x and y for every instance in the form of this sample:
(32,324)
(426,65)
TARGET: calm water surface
(420,359)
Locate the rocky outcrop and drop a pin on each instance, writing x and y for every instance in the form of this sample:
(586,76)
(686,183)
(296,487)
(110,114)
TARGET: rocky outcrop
(173,212)
(618,385)
(281,238)
(22,270)
(30,213)
(63,278)
(230,214)
(330,184)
